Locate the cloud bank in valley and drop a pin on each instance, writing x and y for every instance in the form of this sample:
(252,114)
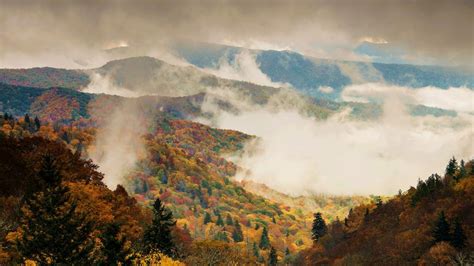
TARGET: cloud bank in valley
(297,154)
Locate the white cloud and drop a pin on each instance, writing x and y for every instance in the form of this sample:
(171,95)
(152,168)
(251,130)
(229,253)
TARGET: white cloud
(326,89)
(297,154)
(243,68)
(458,99)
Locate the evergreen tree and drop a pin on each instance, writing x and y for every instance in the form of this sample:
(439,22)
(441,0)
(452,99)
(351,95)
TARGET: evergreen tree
(458,239)
(37,123)
(27,119)
(207,218)
(272,257)
(256,250)
(237,234)
(113,251)
(451,167)
(273,220)
(441,230)
(222,236)
(319,227)
(257,226)
(53,232)
(158,235)
(228,220)
(219,221)
(378,201)
(462,170)
(264,239)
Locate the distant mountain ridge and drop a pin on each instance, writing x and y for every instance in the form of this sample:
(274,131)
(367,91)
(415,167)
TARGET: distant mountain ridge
(308,74)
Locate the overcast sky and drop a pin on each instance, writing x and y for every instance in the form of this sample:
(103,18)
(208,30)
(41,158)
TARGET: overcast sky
(62,33)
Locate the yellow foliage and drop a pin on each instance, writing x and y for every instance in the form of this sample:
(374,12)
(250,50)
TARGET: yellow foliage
(156,258)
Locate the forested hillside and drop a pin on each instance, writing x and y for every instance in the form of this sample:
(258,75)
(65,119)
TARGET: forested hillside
(432,224)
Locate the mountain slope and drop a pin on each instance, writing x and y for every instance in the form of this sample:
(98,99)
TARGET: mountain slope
(402,230)
(308,74)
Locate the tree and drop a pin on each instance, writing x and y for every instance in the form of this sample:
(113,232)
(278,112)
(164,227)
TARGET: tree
(451,167)
(264,239)
(458,239)
(158,235)
(256,250)
(228,220)
(441,230)
(462,170)
(237,234)
(319,227)
(207,218)
(113,250)
(52,231)
(37,123)
(27,119)
(219,221)
(272,257)
(378,201)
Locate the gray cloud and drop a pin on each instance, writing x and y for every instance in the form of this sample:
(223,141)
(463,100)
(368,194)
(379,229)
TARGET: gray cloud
(56,32)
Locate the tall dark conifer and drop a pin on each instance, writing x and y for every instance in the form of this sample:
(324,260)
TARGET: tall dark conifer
(237,234)
(113,246)
(264,239)
(319,227)
(451,167)
(157,236)
(52,231)
(458,239)
(441,230)
(272,257)
(207,218)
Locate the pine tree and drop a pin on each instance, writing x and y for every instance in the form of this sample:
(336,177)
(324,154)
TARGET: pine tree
(27,119)
(207,218)
(222,236)
(158,235)
(451,167)
(458,239)
(462,170)
(264,239)
(319,227)
(113,250)
(53,232)
(256,250)
(219,221)
(237,234)
(228,220)
(37,123)
(272,257)
(273,220)
(441,230)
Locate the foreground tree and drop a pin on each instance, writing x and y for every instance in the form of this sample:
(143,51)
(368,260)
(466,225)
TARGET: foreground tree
(319,227)
(158,235)
(441,230)
(113,246)
(52,232)
(458,239)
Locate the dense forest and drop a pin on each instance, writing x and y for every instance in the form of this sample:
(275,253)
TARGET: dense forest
(182,206)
